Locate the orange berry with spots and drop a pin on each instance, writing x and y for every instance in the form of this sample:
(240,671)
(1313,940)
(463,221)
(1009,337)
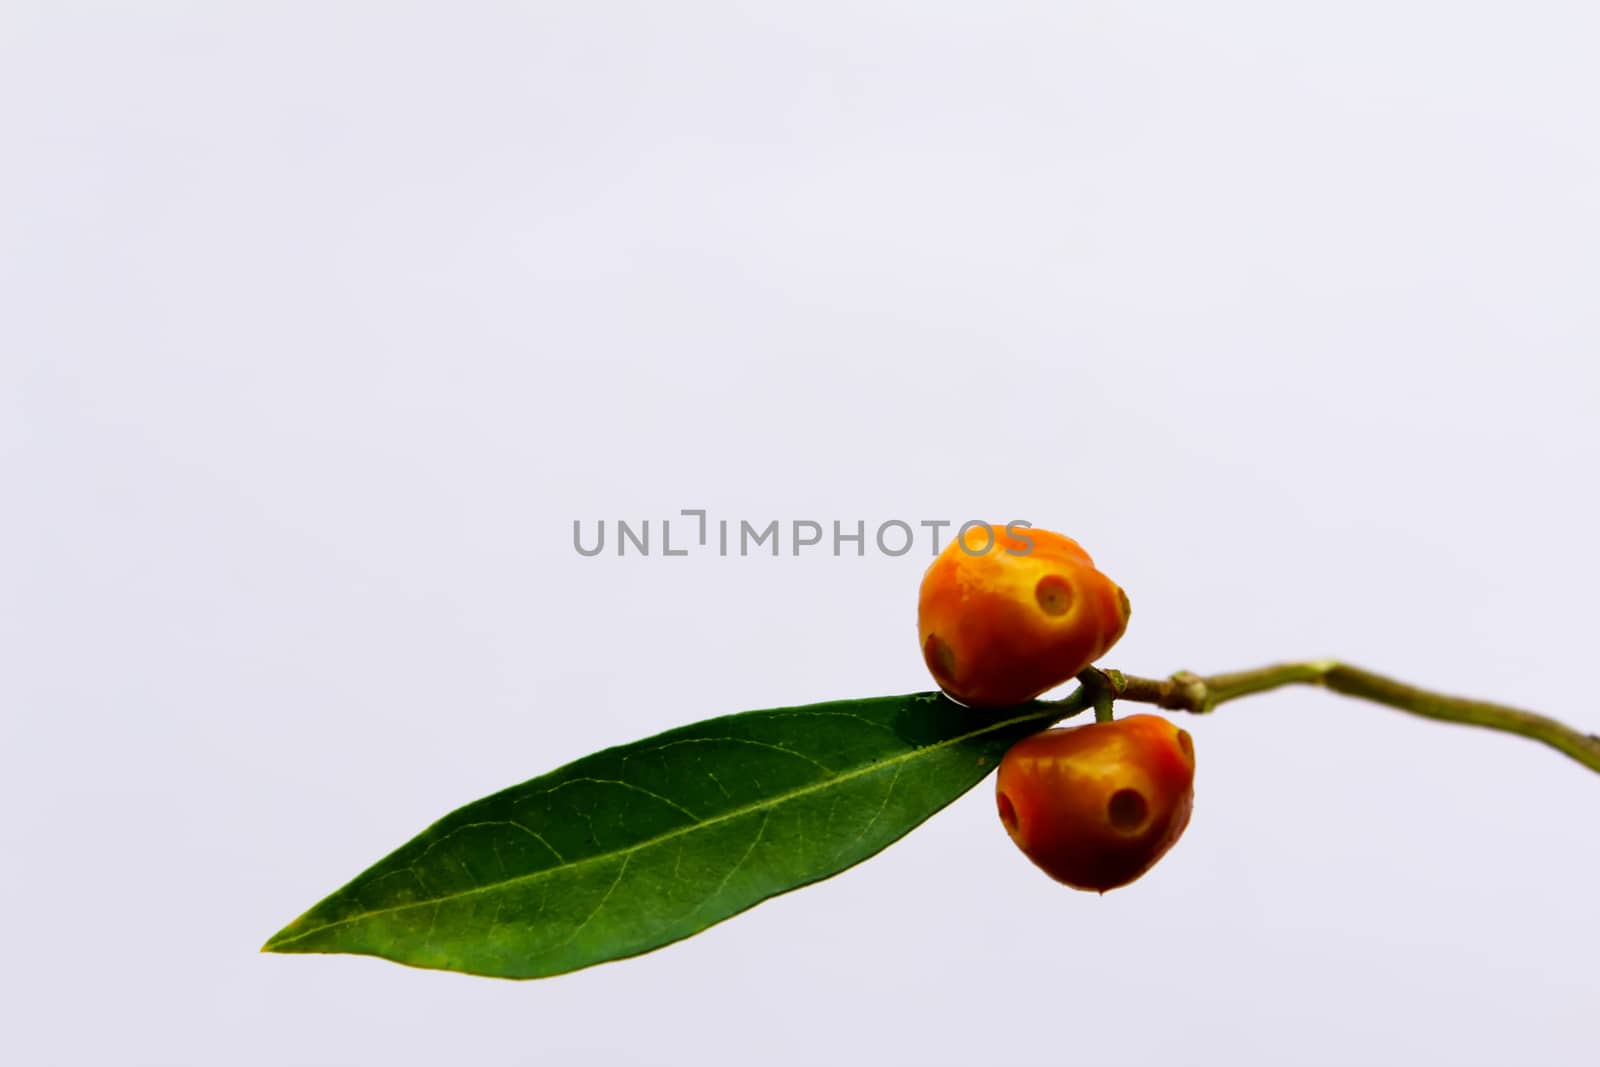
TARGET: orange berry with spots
(1007,612)
(1096,806)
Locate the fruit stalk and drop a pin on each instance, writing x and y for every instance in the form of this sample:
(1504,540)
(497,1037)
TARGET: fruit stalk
(1186,691)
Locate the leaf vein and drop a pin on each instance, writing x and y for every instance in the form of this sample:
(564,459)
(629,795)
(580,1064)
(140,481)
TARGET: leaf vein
(668,801)
(587,919)
(737,741)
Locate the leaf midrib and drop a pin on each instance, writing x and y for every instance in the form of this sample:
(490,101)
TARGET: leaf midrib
(727,816)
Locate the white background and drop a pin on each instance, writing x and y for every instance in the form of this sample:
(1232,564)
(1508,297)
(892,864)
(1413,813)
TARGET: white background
(324,322)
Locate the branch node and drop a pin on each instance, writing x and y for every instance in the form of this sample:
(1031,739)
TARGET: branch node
(1189,693)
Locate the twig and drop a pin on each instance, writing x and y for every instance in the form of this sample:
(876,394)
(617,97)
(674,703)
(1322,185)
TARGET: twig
(1186,691)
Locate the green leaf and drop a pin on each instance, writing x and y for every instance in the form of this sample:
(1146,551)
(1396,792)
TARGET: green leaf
(641,845)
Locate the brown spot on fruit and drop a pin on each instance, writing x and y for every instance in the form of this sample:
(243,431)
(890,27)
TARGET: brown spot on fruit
(1128,810)
(941,658)
(1008,815)
(1054,594)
